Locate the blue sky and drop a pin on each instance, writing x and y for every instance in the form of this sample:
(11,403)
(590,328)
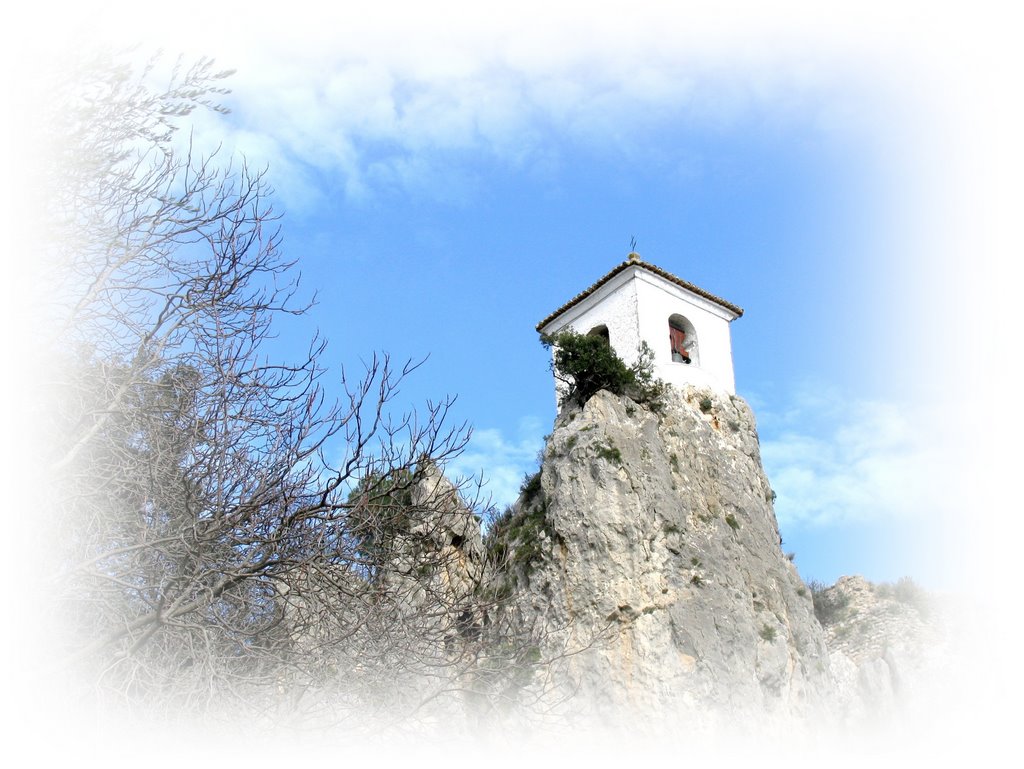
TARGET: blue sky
(453,242)
(448,179)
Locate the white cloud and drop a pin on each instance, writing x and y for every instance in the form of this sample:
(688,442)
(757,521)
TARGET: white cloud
(501,461)
(345,94)
(833,460)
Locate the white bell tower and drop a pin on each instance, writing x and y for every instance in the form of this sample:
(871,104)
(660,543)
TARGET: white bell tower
(686,327)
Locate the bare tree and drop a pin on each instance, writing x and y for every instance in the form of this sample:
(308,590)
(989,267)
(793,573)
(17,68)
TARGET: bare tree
(209,550)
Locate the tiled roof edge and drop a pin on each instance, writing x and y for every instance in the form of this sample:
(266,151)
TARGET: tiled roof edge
(652,269)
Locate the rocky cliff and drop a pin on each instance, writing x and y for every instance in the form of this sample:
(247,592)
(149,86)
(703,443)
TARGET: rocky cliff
(645,557)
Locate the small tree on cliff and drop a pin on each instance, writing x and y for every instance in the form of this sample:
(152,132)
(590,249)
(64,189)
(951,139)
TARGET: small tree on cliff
(586,363)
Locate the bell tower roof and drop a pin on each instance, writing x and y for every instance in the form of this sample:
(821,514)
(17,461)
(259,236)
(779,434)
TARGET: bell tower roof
(634,260)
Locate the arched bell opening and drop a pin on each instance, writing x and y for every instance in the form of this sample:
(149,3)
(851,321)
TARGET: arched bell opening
(683,340)
(602,332)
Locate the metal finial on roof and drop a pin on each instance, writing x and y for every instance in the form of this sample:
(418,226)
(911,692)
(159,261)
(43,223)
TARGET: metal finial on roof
(633,257)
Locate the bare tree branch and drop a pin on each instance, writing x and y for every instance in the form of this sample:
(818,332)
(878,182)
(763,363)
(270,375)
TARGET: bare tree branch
(212,551)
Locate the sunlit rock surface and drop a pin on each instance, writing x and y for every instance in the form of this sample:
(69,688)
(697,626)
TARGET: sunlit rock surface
(652,561)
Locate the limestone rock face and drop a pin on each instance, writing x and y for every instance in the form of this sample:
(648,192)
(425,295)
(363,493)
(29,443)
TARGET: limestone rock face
(654,565)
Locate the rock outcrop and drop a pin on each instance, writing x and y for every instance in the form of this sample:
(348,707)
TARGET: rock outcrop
(442,549)
(640,579)
(646,556)
(884,642)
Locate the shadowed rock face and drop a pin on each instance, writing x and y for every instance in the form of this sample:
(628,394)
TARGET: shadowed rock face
(657,565)
(451,529)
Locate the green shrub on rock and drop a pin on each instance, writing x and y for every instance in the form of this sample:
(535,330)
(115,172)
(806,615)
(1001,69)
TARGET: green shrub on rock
(586,363)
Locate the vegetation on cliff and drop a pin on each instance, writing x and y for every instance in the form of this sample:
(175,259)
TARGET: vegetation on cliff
(587,364)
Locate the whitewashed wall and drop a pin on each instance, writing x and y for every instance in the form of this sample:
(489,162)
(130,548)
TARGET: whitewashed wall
(657,299)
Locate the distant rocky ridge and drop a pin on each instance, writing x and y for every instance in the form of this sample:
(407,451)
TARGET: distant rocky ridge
(884,642)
